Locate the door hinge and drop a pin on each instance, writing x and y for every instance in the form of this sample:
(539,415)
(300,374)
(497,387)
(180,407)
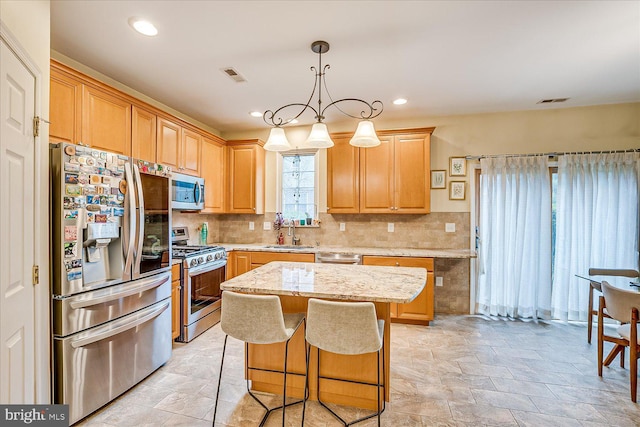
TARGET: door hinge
(36,274)
(36,125)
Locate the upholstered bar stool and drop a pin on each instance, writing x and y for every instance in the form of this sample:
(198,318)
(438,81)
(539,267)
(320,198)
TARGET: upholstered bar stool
(595,286)
(257,319)
(344,328)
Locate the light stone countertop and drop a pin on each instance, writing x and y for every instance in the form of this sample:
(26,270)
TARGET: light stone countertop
(407,252)
(332,281)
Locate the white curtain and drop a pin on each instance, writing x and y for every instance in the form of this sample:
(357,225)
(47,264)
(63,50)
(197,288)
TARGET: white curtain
(596,223)
(515,237)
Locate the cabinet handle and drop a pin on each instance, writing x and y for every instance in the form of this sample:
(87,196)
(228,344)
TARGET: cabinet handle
(397,264)
(253,209)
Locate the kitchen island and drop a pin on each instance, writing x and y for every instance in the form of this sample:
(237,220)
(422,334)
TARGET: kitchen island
(295,283)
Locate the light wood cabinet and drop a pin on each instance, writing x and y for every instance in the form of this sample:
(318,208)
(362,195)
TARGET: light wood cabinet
(245,190)
(83,114)
(243,261)
(393,177)
(65,108)
(175,300)
(169,139)
(343,177)
(213,172)
(178,147)
(143,134)
(86,111)
(376,177)
(106,121)
(190,152)
(420,310)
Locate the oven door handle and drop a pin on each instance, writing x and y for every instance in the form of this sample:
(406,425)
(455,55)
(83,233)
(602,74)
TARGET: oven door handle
(82,342)
(205,268)
(142,286)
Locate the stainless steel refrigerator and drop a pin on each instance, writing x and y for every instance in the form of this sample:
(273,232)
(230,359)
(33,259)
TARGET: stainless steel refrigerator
(111,278)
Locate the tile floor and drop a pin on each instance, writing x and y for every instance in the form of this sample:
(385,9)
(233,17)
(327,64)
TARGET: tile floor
(460,371)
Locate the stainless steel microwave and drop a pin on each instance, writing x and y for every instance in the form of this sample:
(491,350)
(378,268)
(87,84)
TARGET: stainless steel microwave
(187,192)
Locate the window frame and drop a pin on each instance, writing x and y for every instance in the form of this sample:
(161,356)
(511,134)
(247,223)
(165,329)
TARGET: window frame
(316,178)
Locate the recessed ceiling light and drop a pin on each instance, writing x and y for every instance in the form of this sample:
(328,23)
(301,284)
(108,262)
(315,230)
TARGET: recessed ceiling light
(256,114)
(400,101)
(143,27)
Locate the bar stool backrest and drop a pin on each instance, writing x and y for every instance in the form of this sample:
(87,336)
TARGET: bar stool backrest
(343,327)
(620,302)
(255,319)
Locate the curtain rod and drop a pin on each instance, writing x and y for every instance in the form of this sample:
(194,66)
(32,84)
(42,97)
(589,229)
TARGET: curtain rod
(630,150)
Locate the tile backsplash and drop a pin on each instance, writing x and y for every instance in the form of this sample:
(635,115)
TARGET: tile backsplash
(360,230)
(410,231)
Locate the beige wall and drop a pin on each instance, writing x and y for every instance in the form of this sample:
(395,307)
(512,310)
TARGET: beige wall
(28,25)
(602,127)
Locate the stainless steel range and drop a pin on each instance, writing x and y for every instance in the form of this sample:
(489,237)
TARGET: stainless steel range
(203,270)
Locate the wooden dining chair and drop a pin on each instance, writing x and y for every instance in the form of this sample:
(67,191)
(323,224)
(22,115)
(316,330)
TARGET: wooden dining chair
(624,306)
(596,286)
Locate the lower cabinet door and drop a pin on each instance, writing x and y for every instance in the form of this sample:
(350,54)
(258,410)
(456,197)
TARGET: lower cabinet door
(420,310)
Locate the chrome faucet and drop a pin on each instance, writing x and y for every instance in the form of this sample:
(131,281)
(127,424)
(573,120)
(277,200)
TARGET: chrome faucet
(292,232)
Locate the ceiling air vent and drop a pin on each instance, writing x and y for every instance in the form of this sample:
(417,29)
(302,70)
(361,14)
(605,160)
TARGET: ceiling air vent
(234,75)
(551,100)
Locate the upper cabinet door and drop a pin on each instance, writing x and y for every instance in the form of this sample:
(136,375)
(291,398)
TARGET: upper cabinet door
(106,121)
(376,177)
(65,108)
(169,140)
(246,178)
(190,152)
(343,177)
(143,134)
(213,172)
(412,164)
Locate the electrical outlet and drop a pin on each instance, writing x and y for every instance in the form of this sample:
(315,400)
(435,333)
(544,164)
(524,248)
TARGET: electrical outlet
(343,226)
(266,225)
(438,280)
(390,227)
(252,225)
(450,227)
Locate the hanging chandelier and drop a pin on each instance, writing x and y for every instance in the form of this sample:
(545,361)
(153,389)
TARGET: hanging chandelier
(365,135)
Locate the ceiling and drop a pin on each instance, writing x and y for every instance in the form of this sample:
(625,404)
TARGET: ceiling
(445,57)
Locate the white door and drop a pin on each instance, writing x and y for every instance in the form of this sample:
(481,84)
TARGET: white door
(17,169)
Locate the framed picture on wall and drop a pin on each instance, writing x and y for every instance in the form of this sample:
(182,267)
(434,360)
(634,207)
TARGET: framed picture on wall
(438,179)
(457,190)
(457,166)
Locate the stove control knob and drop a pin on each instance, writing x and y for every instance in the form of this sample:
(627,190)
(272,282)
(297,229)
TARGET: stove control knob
(193,263)
(218,255)
(200,260)
(209,257)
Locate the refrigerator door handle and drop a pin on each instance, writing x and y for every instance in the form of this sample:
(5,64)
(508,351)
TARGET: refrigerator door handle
(142,286)
(81,342)
(140,218)
(129,226)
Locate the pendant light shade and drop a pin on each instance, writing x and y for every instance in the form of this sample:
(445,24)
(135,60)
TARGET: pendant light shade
(365,135)
(277,140)
(319,137)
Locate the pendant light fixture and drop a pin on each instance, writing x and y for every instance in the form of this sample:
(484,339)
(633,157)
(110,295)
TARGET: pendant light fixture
(365,135)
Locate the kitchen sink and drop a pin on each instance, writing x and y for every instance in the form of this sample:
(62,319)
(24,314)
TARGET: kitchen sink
(288,247)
